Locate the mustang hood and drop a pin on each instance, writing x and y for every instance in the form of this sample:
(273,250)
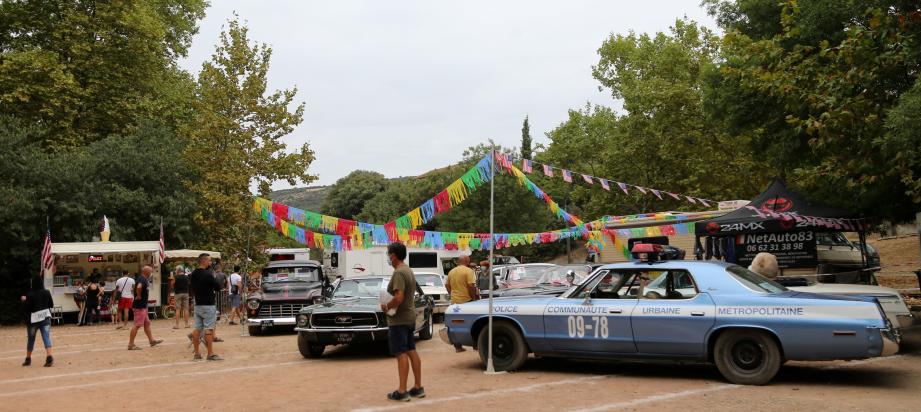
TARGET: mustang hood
(346,305)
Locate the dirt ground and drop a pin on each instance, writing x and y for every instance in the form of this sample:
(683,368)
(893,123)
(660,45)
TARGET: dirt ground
(94,371)
(899,258)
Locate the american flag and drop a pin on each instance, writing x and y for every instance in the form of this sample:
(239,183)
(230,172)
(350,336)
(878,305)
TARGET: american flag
(623,186)
(526,166)
(548,170)
(587,179)
(567,176)
(162,253)
(604,184)
(47,257)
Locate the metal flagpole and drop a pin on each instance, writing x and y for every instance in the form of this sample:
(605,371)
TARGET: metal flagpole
(492,242)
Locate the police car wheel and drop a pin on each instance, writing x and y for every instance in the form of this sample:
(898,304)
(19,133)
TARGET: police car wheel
(747,357)
(255,330)
(509,350)
(309,349)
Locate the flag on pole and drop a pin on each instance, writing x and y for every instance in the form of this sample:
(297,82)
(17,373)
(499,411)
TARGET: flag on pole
(548,171)
(604,185)
(526,166)
(587,179)
(47,257)
(162,254)
(623,187)
(567,176)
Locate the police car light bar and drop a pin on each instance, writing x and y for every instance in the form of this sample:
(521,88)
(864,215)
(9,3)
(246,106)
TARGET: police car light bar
(647,252)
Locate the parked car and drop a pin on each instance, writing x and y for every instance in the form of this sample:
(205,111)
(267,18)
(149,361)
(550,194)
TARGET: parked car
(521,275)
(286,287)
(354,315)
(890,300)
(433,286)
(553,282)
(744,323)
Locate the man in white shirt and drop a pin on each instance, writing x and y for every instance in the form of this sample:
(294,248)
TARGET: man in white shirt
(124,295)
(235,286)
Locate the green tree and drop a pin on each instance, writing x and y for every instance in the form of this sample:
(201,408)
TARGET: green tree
(526,139)
(348,195)
(235,141)
(815,97)
(87,69)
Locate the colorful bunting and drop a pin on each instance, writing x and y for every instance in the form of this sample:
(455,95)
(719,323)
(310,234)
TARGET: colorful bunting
(548,171)
(567,176)
(587,179)
(604,185)
(623,186)
(526,166)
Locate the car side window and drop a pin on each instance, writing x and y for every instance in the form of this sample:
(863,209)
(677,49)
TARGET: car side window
(673,284)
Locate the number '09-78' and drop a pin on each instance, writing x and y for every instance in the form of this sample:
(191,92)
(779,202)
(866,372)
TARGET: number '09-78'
(596,324)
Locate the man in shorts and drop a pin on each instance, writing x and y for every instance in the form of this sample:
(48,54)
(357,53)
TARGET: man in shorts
(124,295)
(402,324)
(141,294)
(203,286)
(180,289)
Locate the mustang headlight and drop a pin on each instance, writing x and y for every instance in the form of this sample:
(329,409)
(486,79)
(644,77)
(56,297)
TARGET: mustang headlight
(253,304)
(302,320)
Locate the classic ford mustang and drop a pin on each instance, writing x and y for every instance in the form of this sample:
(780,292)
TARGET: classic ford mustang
(354,315)
(744,323)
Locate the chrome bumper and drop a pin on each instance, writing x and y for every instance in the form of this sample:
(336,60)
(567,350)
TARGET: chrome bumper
(274,321)
(890,342)
(340,330)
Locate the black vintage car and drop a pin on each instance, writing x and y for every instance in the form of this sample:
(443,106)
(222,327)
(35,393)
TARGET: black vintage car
(354,315)
(287,287)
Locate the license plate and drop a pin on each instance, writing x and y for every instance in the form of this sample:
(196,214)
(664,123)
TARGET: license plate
(268,322)
(343,337)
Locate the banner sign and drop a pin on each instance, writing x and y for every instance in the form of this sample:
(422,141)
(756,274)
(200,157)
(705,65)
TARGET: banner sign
(792,249)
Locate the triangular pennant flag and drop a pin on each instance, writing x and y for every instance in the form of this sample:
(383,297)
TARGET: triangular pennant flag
(548,171)
(604,185)
(526,166)
(703,202)
(567,176)
(673,195)
(656,192)
(690,199)
(623,187)
(641,189)
(587,179)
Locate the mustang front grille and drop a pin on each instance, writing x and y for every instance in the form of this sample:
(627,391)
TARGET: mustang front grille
(344,320)
(280,310)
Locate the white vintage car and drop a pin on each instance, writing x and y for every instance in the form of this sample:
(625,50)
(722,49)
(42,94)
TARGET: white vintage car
(433,285)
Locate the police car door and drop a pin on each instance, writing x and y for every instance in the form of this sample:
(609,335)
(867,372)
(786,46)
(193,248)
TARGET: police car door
(594,318)
(672,318)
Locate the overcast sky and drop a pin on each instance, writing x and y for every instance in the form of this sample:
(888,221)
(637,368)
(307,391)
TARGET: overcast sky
(402,87)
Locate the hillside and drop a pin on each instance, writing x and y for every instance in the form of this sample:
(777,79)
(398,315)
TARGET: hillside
(307,198)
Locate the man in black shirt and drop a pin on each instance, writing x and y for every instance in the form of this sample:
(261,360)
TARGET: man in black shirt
(141,295)
(203,287)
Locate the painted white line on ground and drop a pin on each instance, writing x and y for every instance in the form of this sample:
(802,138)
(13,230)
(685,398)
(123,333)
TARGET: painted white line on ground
(123,369)
(147,378)
(523,389)
(39,350)
(38,346)
(692,392)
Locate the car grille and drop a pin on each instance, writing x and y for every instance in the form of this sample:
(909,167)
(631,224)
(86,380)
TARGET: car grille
(344,320)
(280,310)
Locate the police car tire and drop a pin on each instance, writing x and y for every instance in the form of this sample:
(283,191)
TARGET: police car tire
(426,332)
(510,335)
(766,364)
(255,330)
(309,349)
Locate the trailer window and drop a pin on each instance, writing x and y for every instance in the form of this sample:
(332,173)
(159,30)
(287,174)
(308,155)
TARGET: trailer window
(423,260)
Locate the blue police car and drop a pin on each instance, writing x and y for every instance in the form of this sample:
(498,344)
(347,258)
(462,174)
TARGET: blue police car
(700,311)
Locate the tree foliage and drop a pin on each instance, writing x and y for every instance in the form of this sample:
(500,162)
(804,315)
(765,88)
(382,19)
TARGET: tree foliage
(526,149)
(348,195)
(235,140)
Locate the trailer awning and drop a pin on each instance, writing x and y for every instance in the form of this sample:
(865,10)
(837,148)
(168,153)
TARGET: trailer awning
(189,254)
(71,248)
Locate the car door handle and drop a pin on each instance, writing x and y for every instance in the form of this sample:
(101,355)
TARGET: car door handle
(615,311)
(698,313)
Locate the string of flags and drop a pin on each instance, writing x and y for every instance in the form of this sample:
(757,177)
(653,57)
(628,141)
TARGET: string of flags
(527,165)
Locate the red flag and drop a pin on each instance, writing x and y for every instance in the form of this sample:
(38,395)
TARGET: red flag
(548,171)
(567,176)
(587,179)
(526,166)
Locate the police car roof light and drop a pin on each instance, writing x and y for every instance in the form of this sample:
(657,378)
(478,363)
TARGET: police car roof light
(647,252)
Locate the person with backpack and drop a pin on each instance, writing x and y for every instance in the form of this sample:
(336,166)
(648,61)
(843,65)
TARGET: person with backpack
(37,304)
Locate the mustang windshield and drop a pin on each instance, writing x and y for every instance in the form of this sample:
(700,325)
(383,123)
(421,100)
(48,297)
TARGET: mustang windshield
(292,274)
(755,281)
(429,279)
(359,288)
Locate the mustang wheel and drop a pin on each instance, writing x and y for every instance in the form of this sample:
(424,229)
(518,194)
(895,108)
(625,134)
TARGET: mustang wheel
(747,357)
(509,350)
(309,349)
(255,330)
(428,329)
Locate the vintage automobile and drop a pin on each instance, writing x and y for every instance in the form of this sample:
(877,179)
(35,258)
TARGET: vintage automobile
(553,282)
(433,286)
(354,315)
(286,287)
(520,275)
(744,323)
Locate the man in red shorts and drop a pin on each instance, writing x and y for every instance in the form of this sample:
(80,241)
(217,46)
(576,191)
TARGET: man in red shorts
(141,293)
(124,295)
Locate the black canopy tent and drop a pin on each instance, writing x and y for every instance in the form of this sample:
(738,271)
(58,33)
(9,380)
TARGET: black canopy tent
(777,220)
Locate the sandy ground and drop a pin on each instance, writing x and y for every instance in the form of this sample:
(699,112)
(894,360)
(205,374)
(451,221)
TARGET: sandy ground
(94,371)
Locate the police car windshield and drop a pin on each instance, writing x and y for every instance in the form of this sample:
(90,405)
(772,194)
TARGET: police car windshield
(359,288)
(755,281)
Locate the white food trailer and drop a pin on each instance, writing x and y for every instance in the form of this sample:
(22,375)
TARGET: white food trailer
(75,261)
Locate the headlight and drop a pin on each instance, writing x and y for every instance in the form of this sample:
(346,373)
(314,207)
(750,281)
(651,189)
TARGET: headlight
(302,320)
(253,304)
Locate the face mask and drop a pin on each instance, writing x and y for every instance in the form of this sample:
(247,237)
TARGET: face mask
(389,263)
